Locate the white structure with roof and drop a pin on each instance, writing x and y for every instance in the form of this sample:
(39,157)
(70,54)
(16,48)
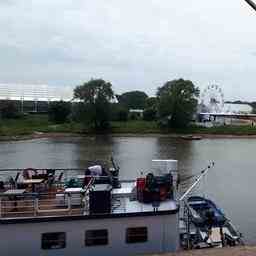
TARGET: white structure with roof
(138,112)
(237,108)
(35,92)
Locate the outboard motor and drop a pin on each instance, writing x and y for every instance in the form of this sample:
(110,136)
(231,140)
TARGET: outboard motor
(209,218)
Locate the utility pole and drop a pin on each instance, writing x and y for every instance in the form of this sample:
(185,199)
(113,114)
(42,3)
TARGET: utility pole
(251,3)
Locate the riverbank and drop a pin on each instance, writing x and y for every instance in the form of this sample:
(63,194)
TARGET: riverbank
(38,126)
(48,135)
(230,251)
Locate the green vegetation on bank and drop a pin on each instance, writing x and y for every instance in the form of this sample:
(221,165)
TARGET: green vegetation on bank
(144,127)
(35,123)
(30,124)
(96,109)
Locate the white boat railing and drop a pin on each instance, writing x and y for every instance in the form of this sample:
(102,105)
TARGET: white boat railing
(61,203)
(45,203)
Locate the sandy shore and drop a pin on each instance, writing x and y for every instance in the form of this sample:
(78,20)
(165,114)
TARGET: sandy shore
(230,251)
(40,135)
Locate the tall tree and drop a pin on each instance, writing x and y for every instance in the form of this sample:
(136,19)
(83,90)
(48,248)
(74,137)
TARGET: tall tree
(151,102)
(133,99)
(96,95)
(177,102)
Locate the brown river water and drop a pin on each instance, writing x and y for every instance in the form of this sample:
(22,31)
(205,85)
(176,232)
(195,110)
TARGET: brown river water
(230,183)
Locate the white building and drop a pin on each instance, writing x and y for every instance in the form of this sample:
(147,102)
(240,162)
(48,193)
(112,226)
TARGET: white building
(138,112)
(237,108)
(35,92)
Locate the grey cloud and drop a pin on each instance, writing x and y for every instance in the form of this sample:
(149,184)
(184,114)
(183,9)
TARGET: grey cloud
(7,2)
(134,44)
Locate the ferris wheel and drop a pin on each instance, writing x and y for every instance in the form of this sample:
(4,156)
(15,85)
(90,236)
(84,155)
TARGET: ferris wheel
(212,98)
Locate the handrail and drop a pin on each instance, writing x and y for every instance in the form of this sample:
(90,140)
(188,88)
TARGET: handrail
(42,169)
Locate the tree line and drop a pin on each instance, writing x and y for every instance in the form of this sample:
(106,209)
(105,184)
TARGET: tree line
(95,104)
(174,105)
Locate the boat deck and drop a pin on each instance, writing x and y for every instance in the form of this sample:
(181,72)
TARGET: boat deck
(59,201)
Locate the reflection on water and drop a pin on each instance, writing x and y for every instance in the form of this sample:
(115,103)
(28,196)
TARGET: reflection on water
(231,183)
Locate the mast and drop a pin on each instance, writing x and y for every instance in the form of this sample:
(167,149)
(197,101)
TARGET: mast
(251,3)
(203,173)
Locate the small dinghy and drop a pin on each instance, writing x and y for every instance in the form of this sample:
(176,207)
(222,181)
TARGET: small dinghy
(205,212)
(205,225)
(191,137)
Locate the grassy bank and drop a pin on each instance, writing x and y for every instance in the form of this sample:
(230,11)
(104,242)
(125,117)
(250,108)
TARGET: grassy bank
(40,123)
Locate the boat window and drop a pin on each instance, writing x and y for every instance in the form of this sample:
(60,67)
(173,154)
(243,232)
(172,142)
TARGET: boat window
(56,240)
(96,237)
(136,235)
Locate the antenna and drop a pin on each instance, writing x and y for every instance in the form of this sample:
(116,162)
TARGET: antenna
(251,3)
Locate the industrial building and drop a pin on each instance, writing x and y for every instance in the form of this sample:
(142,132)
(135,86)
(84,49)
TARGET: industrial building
(35,97)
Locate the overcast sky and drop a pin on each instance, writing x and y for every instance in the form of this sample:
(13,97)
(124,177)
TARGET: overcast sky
(135,44)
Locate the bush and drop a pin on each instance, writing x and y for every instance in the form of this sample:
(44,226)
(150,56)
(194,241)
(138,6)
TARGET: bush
(78,112)
(118,112)
(59,111)
(8,109)
(122,115)
(133,116)
(149,114)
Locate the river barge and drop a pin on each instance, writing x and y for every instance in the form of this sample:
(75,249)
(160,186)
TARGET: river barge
(92,212)
(42,213)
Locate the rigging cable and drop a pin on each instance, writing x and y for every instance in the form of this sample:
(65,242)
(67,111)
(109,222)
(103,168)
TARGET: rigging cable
(203,173)
(196,175)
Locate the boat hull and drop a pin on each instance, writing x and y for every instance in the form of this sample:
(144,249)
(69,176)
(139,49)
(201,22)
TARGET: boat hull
(26,238)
